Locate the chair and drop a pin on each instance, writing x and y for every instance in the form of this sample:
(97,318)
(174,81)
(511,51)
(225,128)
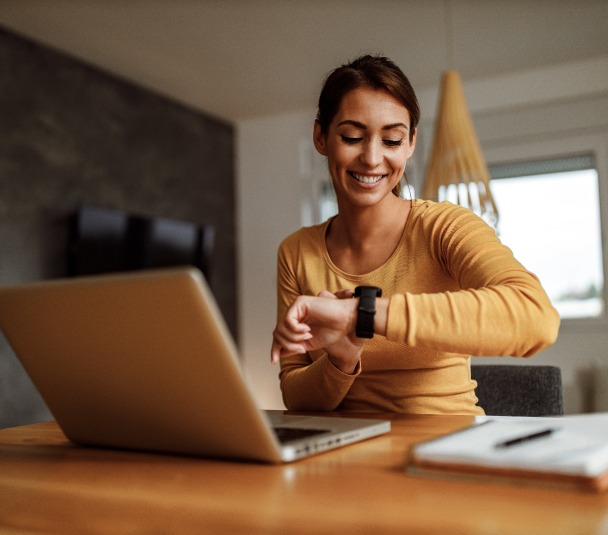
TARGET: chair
(519,390)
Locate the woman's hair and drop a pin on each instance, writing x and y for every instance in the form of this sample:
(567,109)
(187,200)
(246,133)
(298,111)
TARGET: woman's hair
(376,72)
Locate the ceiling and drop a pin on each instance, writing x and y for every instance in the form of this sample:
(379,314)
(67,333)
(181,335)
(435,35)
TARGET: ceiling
(238,59)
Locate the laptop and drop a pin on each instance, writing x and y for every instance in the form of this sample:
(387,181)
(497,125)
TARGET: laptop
(144,361)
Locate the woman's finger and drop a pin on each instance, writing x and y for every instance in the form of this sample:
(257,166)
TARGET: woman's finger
(280,350)
(345,294)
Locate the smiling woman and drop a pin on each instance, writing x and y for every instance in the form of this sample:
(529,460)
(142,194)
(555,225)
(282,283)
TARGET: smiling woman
(431,280)
(368,154)
(368,73)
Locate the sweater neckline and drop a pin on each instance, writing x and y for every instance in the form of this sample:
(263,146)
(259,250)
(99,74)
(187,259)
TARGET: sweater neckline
(379,269)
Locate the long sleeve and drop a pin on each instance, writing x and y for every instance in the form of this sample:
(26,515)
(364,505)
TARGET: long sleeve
(499,309)
(306,384)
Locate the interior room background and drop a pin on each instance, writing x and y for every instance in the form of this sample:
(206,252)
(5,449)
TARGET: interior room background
(561,108)
(73,135)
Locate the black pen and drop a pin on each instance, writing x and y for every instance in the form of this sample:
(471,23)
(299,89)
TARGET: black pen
(525,438)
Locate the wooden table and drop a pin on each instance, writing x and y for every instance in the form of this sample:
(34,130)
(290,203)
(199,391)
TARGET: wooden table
(48,485)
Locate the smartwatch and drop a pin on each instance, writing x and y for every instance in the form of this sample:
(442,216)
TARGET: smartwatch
(366,310)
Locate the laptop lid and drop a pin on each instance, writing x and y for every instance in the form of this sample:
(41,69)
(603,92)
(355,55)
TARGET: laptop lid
(144,360)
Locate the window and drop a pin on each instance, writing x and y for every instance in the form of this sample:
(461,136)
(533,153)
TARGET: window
(549,215)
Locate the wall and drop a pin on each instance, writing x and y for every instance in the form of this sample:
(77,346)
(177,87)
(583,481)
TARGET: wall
(270,192)
(71,134)
(514,114)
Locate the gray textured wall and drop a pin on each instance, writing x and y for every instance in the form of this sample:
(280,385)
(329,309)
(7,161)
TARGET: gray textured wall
(72,134)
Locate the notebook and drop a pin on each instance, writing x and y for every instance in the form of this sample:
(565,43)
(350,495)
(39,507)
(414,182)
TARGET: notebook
(569,451)
(144,361)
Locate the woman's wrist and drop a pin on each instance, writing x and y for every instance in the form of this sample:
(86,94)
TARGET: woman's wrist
(381,316)
(349,365)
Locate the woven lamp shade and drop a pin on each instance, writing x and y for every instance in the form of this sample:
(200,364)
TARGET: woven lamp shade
(457,170)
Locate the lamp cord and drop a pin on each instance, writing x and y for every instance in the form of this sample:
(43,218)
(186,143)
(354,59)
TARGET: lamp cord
(449,31)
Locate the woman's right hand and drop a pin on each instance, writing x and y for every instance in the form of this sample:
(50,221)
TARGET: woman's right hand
(323,322)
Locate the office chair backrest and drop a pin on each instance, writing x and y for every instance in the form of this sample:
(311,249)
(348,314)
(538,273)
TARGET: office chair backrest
(519,390)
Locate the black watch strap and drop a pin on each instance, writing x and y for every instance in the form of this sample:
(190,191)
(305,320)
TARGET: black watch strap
(366,310)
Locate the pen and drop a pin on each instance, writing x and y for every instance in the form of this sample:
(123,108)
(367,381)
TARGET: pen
(525,438)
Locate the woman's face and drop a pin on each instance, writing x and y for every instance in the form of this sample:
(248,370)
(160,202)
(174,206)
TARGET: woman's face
(367,146)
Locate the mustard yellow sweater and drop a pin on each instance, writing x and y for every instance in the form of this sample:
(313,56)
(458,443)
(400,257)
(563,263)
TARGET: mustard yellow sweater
(454,291)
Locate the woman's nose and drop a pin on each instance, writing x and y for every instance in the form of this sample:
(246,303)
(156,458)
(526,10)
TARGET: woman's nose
(372,154)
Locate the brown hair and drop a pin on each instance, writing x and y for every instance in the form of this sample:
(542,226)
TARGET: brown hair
(376,72)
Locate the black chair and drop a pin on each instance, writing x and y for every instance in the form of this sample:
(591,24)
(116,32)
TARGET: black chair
(519,390)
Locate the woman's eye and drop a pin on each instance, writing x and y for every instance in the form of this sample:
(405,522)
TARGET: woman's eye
(388,142)
(351,140)
(393,142)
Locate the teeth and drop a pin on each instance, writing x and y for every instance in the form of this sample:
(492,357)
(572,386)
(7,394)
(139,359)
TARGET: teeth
(367,179)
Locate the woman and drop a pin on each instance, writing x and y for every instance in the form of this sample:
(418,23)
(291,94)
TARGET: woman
(449,288)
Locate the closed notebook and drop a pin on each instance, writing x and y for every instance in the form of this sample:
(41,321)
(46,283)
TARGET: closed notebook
(566,451)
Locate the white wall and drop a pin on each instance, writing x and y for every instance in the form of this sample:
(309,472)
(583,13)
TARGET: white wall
(528,114)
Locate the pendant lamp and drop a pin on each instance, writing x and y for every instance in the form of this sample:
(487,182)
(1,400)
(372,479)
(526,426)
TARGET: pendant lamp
(457,170)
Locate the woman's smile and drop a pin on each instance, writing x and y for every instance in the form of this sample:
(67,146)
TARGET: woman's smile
(366,178)
(367,146)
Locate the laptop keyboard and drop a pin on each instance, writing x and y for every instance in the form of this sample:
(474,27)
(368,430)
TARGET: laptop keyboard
(287,434)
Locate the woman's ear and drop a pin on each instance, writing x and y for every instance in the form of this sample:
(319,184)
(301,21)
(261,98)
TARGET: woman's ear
(319,139)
